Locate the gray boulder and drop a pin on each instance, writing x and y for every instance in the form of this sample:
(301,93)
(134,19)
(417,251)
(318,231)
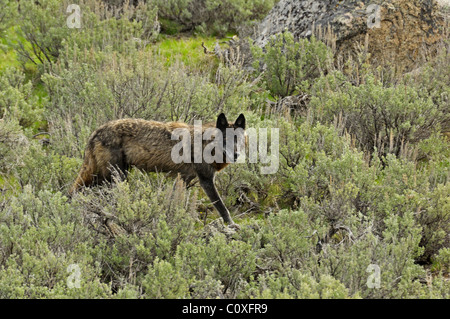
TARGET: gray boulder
(395,30)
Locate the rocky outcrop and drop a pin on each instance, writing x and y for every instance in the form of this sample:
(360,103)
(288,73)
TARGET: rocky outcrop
(395,30)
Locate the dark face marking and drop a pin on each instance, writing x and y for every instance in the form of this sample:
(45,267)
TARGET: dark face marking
(233,136)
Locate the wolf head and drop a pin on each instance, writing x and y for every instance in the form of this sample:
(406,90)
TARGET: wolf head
(233,136)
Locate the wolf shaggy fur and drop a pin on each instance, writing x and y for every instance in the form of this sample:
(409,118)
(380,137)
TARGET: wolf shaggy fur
(147,145)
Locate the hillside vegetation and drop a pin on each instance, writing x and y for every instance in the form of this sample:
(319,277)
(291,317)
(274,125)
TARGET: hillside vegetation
(359,206)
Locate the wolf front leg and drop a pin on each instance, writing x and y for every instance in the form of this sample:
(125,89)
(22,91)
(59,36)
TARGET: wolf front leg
(207,183)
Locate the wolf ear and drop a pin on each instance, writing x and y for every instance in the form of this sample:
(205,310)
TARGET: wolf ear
(240,122)
(222,122)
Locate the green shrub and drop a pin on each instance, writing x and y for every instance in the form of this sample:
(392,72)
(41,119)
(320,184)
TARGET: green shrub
(227,262)
(441,260)
(287,241)
(432,81)
(384,118)
(41,237)
(42,29)
(8,13)
(118,28)
(13,145)
(212,16)
(17,100)
(45,33)
(291,66)
(45,169)
(163,281)
(292,283)
(154,216)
